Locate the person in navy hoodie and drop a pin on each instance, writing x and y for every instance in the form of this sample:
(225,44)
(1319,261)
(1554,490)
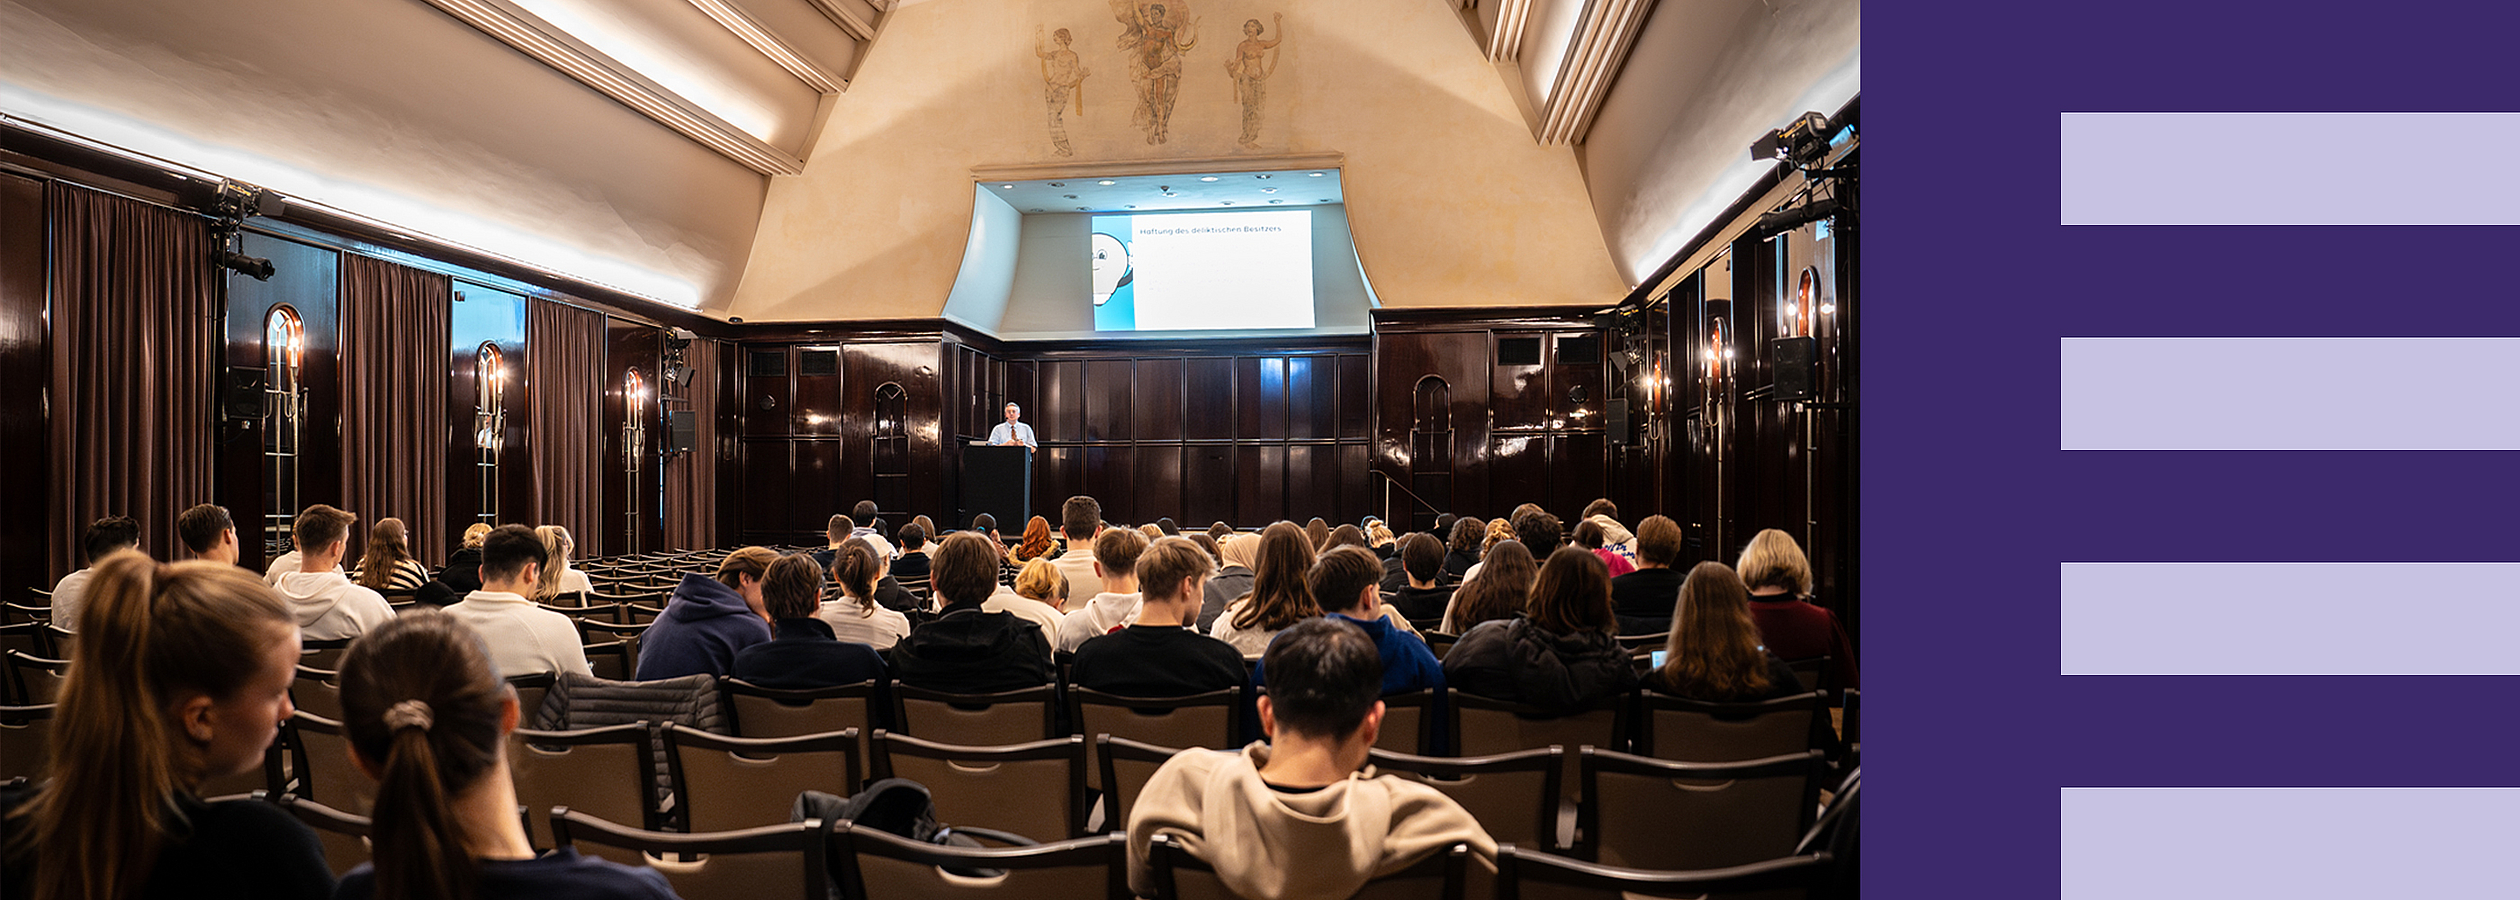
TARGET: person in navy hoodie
(802,654)
(709,619)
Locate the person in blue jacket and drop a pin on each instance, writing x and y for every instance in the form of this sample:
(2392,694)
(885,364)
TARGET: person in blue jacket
(1347,583)
(708,619)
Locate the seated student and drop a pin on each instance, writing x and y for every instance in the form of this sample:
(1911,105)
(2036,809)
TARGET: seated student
(913,561)
(1343,582)
(292,561)
(1080,520)
(1036,543)
(871,527)
(1505,596)
(802,654)
(103,537)
(1114,559)
(1279,597)
(708,620)
(428,718)
(524,638)
(1561,656)
(837,532)
(1422,562)
(856,614)
(195,685)
(1235,554)
(387,564)
(1644,597)
(1463,547)
(558,579)
(1158,655)
(1302,814)
(970,649)
(1713,653)
(1793,627)
(462,572)
(328,604)
(208,533)
(1036,597)
(1590,536)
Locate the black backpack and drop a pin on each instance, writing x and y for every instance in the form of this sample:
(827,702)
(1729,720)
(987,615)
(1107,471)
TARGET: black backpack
(903,807)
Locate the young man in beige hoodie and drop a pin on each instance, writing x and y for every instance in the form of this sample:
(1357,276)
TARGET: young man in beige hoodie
(329,605)
(1302,816)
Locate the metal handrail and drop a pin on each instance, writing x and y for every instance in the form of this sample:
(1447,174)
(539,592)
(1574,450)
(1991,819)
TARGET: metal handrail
(1391,482)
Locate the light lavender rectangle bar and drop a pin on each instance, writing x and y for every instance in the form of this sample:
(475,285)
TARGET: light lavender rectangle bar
(2244,393)
(2318,618)
(2305,843)
(2295,168)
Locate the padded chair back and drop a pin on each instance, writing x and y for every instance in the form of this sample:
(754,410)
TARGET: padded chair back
(1408,724)
(605,772)
(325,654)
(1209,720)
(343,836)
(1526,874)
(23,613)
(324,771)
(642,613)
(774,862)
(758,712)
(726,783)
(1439,642)
(1033,789)
(1485,727)
(25,742)
(975,720)
(35,680)
(1181,876)
(1695,731)
(1655,814)
(60,644)
(1514,795)
(318,691)
(1125,766)
(881,864)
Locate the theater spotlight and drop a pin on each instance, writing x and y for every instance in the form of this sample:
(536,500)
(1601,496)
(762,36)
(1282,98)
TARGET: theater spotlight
(242,264)
(1801,143)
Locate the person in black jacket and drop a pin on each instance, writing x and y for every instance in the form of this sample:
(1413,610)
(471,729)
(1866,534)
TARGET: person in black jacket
(1419,600)
(969,650)
(1562,655)
(1462,551)
(913,562)
(801,652)
(462,573)
(1158,655)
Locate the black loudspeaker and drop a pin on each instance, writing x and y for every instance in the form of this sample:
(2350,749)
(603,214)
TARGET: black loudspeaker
(1617,420)
(241,393)
(681,431)
(1792,358)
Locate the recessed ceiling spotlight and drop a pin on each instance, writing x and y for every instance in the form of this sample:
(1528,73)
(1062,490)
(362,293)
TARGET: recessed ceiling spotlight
(1207,178)
(1261,177)
(1128,206)
(1006,187)
(1036,209)
(1268,190)
(1172,194)
(1106,182)
(1228,202)
(1058,184)
(1069,196)
(1318,174)
(1277,201)
(1323,200)
(1082,208)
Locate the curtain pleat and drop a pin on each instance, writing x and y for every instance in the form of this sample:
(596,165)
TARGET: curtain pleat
(135,331)
(564,366)
(395,328)
(691,478)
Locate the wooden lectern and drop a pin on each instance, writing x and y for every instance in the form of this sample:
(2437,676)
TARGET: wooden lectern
(997,481)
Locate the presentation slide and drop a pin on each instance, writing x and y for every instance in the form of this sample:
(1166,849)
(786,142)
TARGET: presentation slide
(1203,271)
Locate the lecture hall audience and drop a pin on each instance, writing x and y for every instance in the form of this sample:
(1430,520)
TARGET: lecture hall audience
(1115,553)
(1279,597)
(1503,596)
(1421,600)
(1561,655)
(1157,654)
(386,565)
(1343,582)
(1037,596)
(802,652)
(462,572)
(1235,554)
(969,649)
(523,638)
(208,533)
(1794,628)
(1714,653)
(856,614)
(1644,597)
(707,621)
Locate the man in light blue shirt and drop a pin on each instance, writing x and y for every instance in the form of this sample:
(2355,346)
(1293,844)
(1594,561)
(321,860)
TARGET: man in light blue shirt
(1012,431)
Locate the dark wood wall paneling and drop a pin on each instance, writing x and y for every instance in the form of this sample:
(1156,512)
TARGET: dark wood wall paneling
(809,439)
(634,510)
(485,314)
(25,362)
(307,279)
(1526,419)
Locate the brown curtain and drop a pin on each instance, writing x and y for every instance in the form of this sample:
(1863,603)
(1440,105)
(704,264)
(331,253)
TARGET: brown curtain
(564,371)
(691,478)
(135,338)
(395,323)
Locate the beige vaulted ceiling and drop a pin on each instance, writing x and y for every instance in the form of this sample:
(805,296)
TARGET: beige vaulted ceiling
(814,159)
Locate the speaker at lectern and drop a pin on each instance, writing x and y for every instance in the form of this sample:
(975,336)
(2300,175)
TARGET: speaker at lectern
(997,481)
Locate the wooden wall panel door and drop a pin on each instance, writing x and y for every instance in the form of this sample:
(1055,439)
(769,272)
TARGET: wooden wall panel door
(767,466)
(1260,398)
(1402,362)
(1157,402)
(823,395)
(1110,476)
(1157,487)
(1108,405)
(1061,383)
(1518,472)
(768,388)
(1576,473)
(1260,484)
(1058,472)
(1518,392)
(1208,485)
(1312,394)
(26,364)
(911,466)
(1356,397)
(1210,402)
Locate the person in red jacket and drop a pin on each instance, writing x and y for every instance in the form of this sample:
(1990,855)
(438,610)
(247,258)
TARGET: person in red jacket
(1779,577)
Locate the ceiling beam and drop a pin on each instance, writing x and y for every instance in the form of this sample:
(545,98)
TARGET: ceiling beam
(556,48)
(1594,54)
(857,27)
(1505,45)
(771,45)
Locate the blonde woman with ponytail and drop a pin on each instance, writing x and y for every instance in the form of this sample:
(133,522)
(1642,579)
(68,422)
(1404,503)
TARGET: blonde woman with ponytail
(192,684)
(428,718)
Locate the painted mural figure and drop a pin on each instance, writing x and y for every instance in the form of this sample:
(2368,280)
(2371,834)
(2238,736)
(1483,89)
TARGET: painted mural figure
(1254,60)
(1062,77)
(1157,35)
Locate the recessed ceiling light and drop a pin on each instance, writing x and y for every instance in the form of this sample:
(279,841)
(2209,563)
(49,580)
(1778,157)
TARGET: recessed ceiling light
(1261,177)
(1069,196)
(1163,187)
(1268,190)
(1036,209)
(1128,206)
(1207,178)
(1228,202)
(1277,201)
(1171,194)
(1006,187)
(1058,184)
(1082,208)
(1317,174)
(1324,200)
(1106,182)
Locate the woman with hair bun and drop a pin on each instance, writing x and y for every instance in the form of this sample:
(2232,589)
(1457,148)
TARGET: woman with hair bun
(195,687)
(428,717)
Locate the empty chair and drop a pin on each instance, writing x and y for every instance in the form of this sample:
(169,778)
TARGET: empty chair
(975,720)
(758,712)
(1515,796)
(725,783)
(23,637)
(34,680)
(1125,766)
(23,613)
(1696,731)
(605,613)
(58,643)
(344,836)
(324,771)
(1522,873)
(1034,789)
(1656,814)
(1181,876)
(1485,727)
(595,632)
(878,864)
(601,771)
(317,691)
(1210,720)
(25,741)
(325,655)
(642,613)
(787,861)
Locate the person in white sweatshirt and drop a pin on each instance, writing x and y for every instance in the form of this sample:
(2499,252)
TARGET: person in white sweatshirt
(1115,565)
(524,638)
(328,604)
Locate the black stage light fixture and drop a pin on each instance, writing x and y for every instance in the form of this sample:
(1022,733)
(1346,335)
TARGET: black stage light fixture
(1801,143)
(1777,223)
(242,264)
